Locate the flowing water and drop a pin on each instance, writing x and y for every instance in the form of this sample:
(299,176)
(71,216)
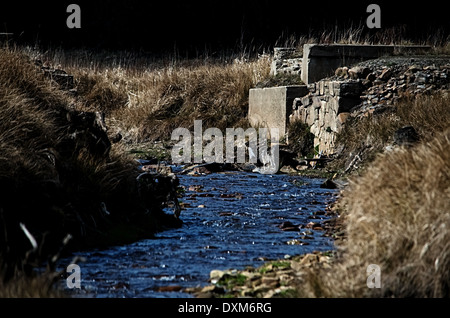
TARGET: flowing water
(231,220)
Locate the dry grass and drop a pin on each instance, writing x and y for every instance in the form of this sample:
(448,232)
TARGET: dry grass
(146,99)
(396,210)
(358,34)
(65,184)
(397,215)
(51,183)
(42,286)
(370,135)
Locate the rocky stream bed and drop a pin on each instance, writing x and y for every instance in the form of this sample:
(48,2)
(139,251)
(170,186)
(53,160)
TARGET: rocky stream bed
(236,225)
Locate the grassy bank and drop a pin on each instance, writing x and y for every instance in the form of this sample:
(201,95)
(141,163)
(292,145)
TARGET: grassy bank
(146,99)
(396,215)
(369,136)
(60,175)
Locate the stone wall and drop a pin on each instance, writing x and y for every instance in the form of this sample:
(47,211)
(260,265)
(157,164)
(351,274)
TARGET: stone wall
(320,60)
(286,61)
(326,108)
(325,102)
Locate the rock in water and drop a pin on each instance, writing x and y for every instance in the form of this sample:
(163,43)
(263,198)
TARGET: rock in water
(329,184)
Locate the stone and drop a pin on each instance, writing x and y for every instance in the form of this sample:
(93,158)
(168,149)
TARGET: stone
(371,77)
(321,60)
(287,170)
(385,74)
(349,88)
(271,282)
(161,169)
(313,225)
(302,167)
(342,117)
(288,226)
(328,184)
(359,72)
(406,136)
(309,259)
(172,288)
(342,72)
(414,68)
(215,275)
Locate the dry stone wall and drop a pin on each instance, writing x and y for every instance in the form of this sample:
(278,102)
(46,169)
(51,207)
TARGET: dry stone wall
(365,89)
(287,61)
(326,108)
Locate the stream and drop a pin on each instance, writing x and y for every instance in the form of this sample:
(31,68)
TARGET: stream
(231,220)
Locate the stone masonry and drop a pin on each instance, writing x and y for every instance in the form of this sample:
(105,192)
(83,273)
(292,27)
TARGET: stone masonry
(286,61)
(334,92)
(326,108)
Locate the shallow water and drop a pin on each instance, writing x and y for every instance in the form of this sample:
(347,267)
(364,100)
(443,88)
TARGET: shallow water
(232,223)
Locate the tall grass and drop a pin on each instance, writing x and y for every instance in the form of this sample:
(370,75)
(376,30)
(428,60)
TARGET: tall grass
(145,99)
(369,136)
(52,182)
(359,34)
(397,216)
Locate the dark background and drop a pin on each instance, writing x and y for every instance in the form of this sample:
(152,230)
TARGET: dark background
(191,25)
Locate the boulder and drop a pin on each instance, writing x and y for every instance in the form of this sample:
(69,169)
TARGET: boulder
(359,72)
(385,74)
(328,184)
(406,136)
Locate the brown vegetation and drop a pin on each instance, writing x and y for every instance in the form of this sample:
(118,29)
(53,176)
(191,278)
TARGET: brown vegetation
(369,136)
(59,174)
(396,216)
(147,100)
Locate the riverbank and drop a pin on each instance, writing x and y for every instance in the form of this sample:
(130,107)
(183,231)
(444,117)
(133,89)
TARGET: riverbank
(395,218)
(65,185)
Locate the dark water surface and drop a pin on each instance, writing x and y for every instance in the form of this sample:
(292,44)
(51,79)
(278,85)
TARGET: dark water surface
(232,222)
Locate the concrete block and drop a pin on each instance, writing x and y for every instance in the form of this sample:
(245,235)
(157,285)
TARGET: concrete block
(271,107)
